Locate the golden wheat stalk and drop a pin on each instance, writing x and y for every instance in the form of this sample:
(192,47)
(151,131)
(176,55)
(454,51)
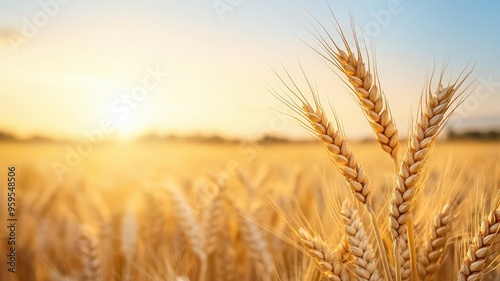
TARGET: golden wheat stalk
(339,151)
(479,249)
(429,260)
(364,260)
(327,260)
(225,259)
(347,165)
(189,226)
(217,229)
(256,245)
(364,84)
(91,259)
(213,221)
(433,115)
(89,248)
(188,223)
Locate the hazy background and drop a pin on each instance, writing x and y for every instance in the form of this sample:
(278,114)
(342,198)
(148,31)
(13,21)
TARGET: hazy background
(63,67)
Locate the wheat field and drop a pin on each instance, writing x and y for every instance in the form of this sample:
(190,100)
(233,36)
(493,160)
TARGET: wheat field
(165,218)
(334,209)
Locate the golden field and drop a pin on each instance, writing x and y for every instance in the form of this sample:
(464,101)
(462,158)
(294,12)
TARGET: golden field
(144,211)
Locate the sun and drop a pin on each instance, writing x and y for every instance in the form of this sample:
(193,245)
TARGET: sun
(128,129)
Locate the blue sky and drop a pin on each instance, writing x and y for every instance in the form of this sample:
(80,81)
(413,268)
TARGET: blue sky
(90,53)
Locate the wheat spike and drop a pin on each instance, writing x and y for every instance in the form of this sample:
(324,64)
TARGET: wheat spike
(188,223)
(217,228)
(364,259)
(371,100)
(326,259)
(347,165)
(431,119)
(429,260)
(479,249)
(213,220)
(225,259)
(256,245)
(364,84)
(340,152)
(91,261)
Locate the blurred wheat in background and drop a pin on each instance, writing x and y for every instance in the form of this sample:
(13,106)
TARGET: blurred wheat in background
(275,209)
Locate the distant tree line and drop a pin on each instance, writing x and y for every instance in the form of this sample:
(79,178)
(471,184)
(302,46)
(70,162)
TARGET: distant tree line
(474,135)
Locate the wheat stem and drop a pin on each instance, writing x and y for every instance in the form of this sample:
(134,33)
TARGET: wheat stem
(380,243)
(413,250)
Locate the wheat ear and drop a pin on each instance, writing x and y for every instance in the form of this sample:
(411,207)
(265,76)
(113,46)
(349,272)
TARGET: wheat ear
(479,249)
(364,85)
(213,221)
(429,260)
(432,117)
(91,261)
(257,245)
(189,226)
(188,223)
(225,260)
(340,152)
(365,262)
(217,228)
(347,165)
(326,259)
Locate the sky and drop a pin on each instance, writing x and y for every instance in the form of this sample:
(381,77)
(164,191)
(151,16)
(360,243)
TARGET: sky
(70,67)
